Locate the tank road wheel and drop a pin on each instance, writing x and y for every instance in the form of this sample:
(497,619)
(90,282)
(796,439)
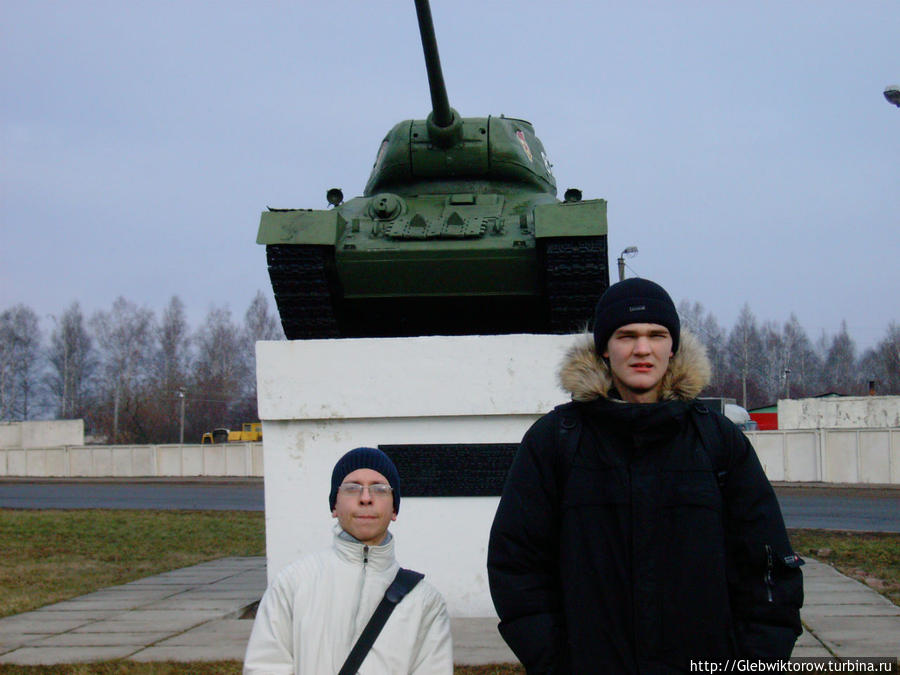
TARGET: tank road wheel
(300,277)
(576,274)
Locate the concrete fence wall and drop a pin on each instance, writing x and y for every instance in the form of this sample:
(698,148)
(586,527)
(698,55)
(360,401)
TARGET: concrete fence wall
(97,461)
(830,455)
(839,412)
(41,433)
(812,455)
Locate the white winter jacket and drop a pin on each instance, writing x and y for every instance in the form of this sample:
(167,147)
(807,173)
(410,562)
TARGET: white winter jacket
(310,617)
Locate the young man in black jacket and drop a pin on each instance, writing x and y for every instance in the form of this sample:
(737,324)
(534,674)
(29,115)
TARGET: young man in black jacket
(637,532)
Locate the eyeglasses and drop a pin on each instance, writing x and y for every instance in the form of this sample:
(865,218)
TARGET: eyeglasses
(376,489)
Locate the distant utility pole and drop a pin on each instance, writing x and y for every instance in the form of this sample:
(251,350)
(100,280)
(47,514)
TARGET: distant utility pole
(180,394)
(116,414)
(787,383)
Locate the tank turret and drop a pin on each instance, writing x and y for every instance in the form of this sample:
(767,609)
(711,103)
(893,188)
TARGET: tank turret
(458,231)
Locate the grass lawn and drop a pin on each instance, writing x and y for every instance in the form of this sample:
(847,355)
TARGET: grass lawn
(48,556)
(870,557)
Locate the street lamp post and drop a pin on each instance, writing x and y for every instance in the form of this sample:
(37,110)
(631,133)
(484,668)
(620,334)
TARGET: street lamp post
(180,394)
(630,252)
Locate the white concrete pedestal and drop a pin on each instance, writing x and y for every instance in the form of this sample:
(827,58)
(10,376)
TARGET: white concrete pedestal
(320,398)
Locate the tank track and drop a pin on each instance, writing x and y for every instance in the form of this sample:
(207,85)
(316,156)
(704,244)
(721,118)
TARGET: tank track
(300,281)
(576,274)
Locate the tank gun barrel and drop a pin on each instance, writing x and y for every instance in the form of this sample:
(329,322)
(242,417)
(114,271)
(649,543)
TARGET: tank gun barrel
(442,114)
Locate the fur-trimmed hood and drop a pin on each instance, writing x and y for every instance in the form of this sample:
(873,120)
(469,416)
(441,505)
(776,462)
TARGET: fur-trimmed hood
(586,376)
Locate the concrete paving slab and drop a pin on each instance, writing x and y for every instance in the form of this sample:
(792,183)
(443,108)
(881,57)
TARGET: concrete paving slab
(810,652)
(849,610)
(195,621)
(849,618)
(84,615)
(132,622)
(31,656)
(861,596)
(861,627)
(109,605)
(11,641)
(222,652)
(195,604)
(126,594)
(28,623)
(150,584)
(215,632)
(222,593)
(73,639)
(477,642)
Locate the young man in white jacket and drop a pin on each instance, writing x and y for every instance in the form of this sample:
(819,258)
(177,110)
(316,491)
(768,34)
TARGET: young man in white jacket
(311,616)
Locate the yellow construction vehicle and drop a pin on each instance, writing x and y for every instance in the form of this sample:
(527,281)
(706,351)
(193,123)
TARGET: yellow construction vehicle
(251,432)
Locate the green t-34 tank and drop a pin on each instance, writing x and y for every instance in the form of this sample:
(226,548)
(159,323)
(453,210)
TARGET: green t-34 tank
(458,231)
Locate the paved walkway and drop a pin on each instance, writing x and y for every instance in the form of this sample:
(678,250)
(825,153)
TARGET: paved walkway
(193,614)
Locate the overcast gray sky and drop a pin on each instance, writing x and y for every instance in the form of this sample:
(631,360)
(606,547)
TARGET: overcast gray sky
(745,148)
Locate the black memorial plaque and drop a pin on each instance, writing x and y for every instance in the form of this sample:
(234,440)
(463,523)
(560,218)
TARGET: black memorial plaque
(452,469)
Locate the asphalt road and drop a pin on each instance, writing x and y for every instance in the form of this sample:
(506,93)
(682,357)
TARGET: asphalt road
(834,508)
(88,494)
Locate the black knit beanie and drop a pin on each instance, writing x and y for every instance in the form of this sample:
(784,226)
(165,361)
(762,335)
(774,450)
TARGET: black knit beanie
(364,458)
(634,301)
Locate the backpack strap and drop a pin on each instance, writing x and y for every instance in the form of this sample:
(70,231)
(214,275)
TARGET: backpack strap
(568,436)
(402,584)
(712,439)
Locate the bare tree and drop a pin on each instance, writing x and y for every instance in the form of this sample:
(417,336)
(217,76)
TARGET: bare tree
(772,362)
(704,325)
(172,361)
(20,363)
(125,338)
(840,371)
(882,363)
(691,316)
(259,324)
(804,364)
(716,349)
(744,350)
(218,392)
(173,353)
(73,362)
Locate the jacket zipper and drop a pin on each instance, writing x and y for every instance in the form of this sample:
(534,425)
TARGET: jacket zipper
(359,591)
(770,572)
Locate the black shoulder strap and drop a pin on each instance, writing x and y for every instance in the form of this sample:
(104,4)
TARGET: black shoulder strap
(402,584)
(569,433)
(712,439)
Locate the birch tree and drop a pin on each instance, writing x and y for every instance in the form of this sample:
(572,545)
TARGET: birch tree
(72,362)
(171,366)
(744,350)
(20,363)
(218,389)
(125,341)
(840,370)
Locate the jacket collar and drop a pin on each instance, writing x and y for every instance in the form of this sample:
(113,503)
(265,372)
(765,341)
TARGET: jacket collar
(586,376)
(351,550)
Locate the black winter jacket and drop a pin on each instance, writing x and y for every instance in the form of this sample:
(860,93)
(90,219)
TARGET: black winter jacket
(623,553)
